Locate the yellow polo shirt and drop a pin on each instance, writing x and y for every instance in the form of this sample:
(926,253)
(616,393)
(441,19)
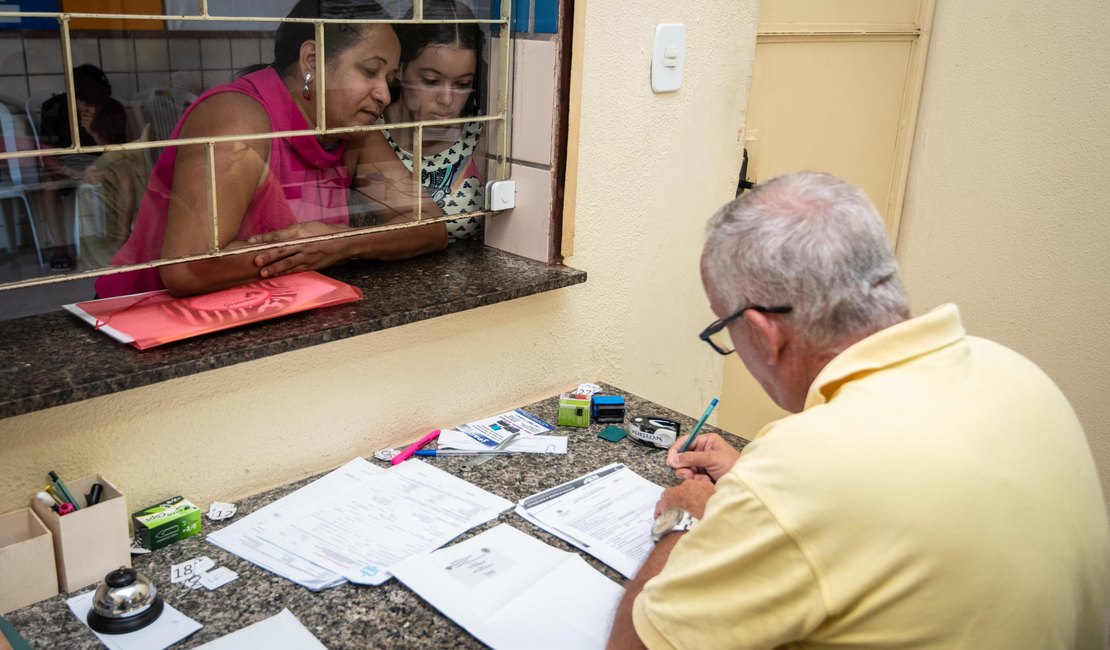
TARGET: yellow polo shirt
(937,491)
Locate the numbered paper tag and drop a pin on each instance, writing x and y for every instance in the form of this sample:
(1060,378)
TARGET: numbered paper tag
(219,510)
(190,569)
(217,578)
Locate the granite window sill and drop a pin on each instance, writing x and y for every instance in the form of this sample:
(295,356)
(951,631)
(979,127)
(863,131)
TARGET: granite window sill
(54,359)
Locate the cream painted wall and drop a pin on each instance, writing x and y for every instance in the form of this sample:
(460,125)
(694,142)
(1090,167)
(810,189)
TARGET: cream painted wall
(1006,206)
(651,170)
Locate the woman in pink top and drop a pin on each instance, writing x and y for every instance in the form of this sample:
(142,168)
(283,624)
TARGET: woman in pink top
(274,190)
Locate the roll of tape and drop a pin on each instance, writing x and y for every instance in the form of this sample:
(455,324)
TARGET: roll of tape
(653,431)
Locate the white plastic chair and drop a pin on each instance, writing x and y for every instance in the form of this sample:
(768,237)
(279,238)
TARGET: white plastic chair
(13,187)
(162,108)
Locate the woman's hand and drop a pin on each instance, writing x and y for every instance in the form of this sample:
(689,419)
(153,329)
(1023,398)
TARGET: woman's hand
(300,257)
(708,458)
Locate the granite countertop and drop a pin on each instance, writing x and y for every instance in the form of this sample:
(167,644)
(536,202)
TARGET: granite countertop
(350,616)
(54,359)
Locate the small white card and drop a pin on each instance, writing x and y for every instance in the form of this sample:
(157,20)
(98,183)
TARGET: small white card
(219,510)
(190,569)
(217,578)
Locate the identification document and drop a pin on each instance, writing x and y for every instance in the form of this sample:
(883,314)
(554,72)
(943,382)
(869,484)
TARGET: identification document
(511,590)
(145,320)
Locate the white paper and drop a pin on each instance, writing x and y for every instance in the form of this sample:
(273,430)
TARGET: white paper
(190,569)
(608,513)
(491,431)
(171,627)
(452,439)
(511,590)
(244,537)
(279,632)
(217,578)
(411,508)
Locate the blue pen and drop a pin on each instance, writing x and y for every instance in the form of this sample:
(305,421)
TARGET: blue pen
(698,426)
(460,452)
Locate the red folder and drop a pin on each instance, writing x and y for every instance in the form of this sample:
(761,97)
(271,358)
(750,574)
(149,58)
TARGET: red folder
(148,319)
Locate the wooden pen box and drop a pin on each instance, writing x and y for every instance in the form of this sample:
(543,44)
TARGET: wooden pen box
(26,560)
(92,541)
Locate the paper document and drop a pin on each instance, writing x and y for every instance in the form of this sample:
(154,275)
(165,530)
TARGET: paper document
(411,508)
(511,590)
(244,537)
(608,513)
(452,439)
(170,627)
(281,631)
(491,431)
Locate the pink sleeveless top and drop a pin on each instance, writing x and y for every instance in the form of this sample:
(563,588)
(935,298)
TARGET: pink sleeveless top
(305,183)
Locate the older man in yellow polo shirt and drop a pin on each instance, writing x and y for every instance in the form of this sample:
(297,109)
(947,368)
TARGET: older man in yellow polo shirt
(930,489)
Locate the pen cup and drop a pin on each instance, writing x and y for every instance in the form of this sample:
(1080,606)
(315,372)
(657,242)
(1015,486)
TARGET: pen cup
(92,541)
(26,560)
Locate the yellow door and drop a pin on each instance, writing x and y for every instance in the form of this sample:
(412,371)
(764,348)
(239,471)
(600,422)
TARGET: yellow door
(835,88)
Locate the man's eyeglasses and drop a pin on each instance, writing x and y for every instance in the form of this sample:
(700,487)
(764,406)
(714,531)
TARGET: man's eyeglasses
(708,333)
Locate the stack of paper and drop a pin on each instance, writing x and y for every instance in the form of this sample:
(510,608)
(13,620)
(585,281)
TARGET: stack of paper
(511,590)
(608,513)
(357,521)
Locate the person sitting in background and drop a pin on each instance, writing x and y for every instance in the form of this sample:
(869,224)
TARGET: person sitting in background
(272,190)
(101,120)
(441,73)
(930,489)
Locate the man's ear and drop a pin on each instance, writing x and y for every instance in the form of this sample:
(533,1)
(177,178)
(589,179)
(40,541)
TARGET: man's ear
(306,62)
(768,335)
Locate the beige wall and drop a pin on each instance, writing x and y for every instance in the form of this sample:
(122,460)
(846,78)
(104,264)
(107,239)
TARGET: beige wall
(1006,208)
(652,169)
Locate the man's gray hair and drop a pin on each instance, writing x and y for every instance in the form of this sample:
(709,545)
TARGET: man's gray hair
(814,242)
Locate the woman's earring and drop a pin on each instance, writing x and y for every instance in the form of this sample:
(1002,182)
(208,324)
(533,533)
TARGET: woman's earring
(305,91)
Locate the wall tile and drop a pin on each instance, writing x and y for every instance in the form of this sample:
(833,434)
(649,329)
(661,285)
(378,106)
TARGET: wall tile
(11,57)
(526,229)
(44,84)
(215,54)
(152,54)
(244,52)
(44,55)
(86,50)
(124,86)
(534,100)
(266,49)
(149,80)
(15,89)
(117,54)
(546,17)
(522,10)
(184,53)
(213,78)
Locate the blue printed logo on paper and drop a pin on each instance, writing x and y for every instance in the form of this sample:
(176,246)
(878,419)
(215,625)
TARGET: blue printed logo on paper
(369,571)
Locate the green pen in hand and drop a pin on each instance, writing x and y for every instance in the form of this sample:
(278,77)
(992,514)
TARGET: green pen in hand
(698,426)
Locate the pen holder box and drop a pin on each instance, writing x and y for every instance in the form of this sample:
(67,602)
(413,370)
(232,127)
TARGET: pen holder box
(92,541)
(27,570)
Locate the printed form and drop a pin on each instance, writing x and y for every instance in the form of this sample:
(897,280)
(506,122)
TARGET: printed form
(244,537)
(511,590)
(411,508)
(608,513)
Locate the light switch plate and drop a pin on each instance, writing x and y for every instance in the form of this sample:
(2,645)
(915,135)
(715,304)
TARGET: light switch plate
(668,57)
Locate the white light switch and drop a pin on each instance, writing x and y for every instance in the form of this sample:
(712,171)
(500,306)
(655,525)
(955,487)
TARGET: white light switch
(668,57)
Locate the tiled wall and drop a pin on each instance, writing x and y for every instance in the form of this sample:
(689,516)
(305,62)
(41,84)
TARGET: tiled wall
(31,64)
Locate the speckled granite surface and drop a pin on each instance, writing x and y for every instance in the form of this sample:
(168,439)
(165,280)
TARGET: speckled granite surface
(389,616)
(55,358)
